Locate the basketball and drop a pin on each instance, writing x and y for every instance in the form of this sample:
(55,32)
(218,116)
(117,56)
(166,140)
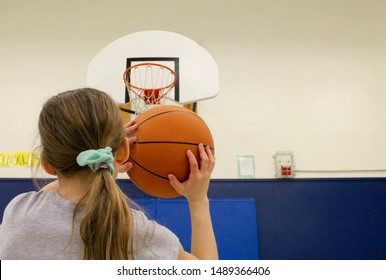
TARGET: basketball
(164,134)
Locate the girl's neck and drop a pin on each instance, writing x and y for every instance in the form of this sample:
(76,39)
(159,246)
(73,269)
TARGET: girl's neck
(72,188)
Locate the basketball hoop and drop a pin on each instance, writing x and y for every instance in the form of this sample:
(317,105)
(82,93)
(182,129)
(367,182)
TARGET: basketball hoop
(148,84)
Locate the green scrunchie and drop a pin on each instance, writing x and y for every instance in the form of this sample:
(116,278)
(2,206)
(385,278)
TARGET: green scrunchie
(96,159)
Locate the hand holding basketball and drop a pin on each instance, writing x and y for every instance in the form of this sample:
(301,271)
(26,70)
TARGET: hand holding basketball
(129,130)
(196,187)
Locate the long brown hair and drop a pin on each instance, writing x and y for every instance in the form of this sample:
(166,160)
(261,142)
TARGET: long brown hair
(73,122)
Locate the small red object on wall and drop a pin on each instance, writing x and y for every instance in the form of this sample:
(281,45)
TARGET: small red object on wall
(286,170)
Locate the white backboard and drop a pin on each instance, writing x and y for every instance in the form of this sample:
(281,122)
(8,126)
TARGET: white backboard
(196,70)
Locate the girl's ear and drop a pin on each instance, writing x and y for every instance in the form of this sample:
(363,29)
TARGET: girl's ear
(122,157)
(47,167)
(123,153)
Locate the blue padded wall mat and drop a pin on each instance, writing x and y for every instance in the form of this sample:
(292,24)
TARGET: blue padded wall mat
(234,224)
(298,218)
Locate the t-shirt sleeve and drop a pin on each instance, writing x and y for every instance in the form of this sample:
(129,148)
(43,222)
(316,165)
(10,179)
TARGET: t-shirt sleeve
(153,241)
(14,205)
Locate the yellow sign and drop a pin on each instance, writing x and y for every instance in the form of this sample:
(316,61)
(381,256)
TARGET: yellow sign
(19,159)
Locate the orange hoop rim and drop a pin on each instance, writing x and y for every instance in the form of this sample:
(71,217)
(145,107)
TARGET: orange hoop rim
(128,85)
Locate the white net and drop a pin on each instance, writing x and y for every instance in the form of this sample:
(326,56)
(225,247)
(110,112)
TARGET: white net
(149,85)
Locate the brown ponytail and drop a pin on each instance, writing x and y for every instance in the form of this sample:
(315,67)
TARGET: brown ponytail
(105,226)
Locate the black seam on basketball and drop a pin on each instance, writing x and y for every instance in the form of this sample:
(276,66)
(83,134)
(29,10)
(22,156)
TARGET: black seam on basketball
(151,172)
(167,112)
(168,142)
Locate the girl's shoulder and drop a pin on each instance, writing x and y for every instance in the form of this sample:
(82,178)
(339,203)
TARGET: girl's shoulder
(23,198)
(29,200)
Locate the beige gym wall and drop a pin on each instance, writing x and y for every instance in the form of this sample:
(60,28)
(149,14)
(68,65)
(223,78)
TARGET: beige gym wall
(303,76)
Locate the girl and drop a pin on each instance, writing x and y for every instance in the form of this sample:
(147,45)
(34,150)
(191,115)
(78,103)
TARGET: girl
(84,214)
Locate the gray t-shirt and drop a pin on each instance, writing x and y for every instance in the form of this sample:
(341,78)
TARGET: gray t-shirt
(38,225)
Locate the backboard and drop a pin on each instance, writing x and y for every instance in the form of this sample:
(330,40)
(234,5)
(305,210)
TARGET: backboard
(196,70)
